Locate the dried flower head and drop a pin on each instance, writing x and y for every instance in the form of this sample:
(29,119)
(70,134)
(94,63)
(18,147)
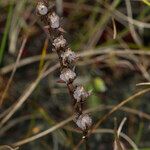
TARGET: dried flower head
(67,75)
(42,8)
(84,122)
(59,42)
(54,20)
(68,56)
(80,93)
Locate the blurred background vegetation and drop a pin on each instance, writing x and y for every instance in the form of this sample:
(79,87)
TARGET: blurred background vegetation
(112,40)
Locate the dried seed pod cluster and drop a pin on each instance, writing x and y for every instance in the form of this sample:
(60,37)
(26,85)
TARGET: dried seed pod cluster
(67,59)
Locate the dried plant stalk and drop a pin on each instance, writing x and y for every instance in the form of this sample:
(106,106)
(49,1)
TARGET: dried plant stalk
(67,59)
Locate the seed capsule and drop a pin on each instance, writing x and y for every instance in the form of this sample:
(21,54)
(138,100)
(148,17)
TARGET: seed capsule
(59,42)
(68,57)
(54,19)
(42,9)
(84,122)
(80,94)
(67,75)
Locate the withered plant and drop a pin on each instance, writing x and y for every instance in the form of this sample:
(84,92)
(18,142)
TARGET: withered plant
(67,59)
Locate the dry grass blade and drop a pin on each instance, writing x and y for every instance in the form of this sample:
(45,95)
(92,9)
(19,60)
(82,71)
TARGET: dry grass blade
(136,95)
(6,111)
(14,70)
(21,100)
(101,25)
(118,145)
(44,133)
(61,124)
(27,93)
(134,34)
(7,147)
(115,108)
(121,126)
(108,131)
(121,134)
(25,62)
(16,121)
(125,109)
(114,28)
(98,51)
(144,71)
(143,84)
(95,109)
(120,16)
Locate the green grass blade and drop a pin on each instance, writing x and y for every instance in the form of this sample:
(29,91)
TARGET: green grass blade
(6,31)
